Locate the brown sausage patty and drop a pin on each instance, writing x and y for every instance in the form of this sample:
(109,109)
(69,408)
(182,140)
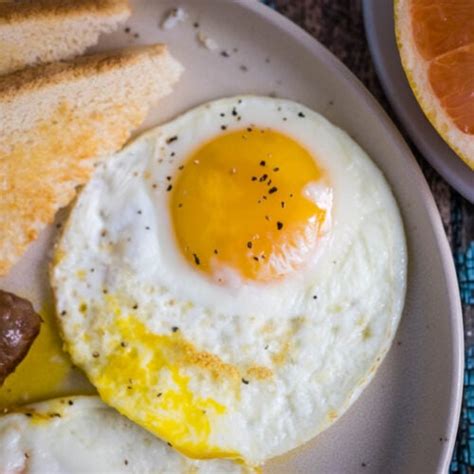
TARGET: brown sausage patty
(19,326)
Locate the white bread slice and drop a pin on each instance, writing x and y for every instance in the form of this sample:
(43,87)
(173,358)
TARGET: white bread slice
(57,120)
(40,31)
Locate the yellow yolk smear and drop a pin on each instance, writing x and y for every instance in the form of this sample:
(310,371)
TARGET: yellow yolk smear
(241,203)
(141,375)
(43,373)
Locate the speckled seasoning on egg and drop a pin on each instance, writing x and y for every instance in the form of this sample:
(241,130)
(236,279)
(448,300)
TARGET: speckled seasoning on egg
(274,245)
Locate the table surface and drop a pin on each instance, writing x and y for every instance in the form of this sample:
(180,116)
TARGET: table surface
(338,24)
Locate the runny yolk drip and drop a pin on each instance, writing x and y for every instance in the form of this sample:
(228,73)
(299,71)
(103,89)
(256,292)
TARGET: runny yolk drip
(143,378)
(243,202)
(43,373)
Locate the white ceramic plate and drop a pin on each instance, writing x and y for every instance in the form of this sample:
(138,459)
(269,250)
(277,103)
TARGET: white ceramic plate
(405,421)
(379,27)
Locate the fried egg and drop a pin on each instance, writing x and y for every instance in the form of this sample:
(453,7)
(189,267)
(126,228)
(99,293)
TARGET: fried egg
(77,435)
(231,280)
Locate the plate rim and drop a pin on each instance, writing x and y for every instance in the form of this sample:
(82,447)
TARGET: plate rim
(395,136)
(451,171)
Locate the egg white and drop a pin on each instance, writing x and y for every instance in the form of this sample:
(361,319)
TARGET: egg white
(331,322)
(80,435)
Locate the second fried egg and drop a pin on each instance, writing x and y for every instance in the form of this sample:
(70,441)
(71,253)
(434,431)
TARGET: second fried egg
(231,280)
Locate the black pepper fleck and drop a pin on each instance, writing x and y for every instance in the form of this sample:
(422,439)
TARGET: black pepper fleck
(71,403)
(223,127)
(315,297)
(246,382)
(169,444)
(127,30)
(125,461)
(139,212)
(279,225)
(123,344)
(95,354)
(196,259)
(276,169)
(262,163)
(215,252)
(272,190)
(255,258)
(196,24)
(175,328)
(63,312)
(169,188)
(225,54)
(158,395)
(171,139)
(301,114)
(222,114)
(263,177)
(136,35)
(249,245)
(135,306)
(234,112)
(282,204)
(254,178)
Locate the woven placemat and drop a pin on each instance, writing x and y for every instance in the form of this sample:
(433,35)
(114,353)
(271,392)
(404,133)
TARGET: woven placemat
(338,24)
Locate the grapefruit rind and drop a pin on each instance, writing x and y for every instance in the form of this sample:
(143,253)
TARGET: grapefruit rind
(416,71)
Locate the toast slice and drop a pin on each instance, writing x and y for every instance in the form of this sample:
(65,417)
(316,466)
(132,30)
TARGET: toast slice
(56,122)
(40,31)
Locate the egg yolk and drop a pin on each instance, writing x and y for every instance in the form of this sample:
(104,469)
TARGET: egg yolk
(243,202)
(44,372)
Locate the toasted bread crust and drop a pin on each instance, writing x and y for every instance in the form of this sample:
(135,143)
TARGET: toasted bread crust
(57,121)
(29,9)
(35,78)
